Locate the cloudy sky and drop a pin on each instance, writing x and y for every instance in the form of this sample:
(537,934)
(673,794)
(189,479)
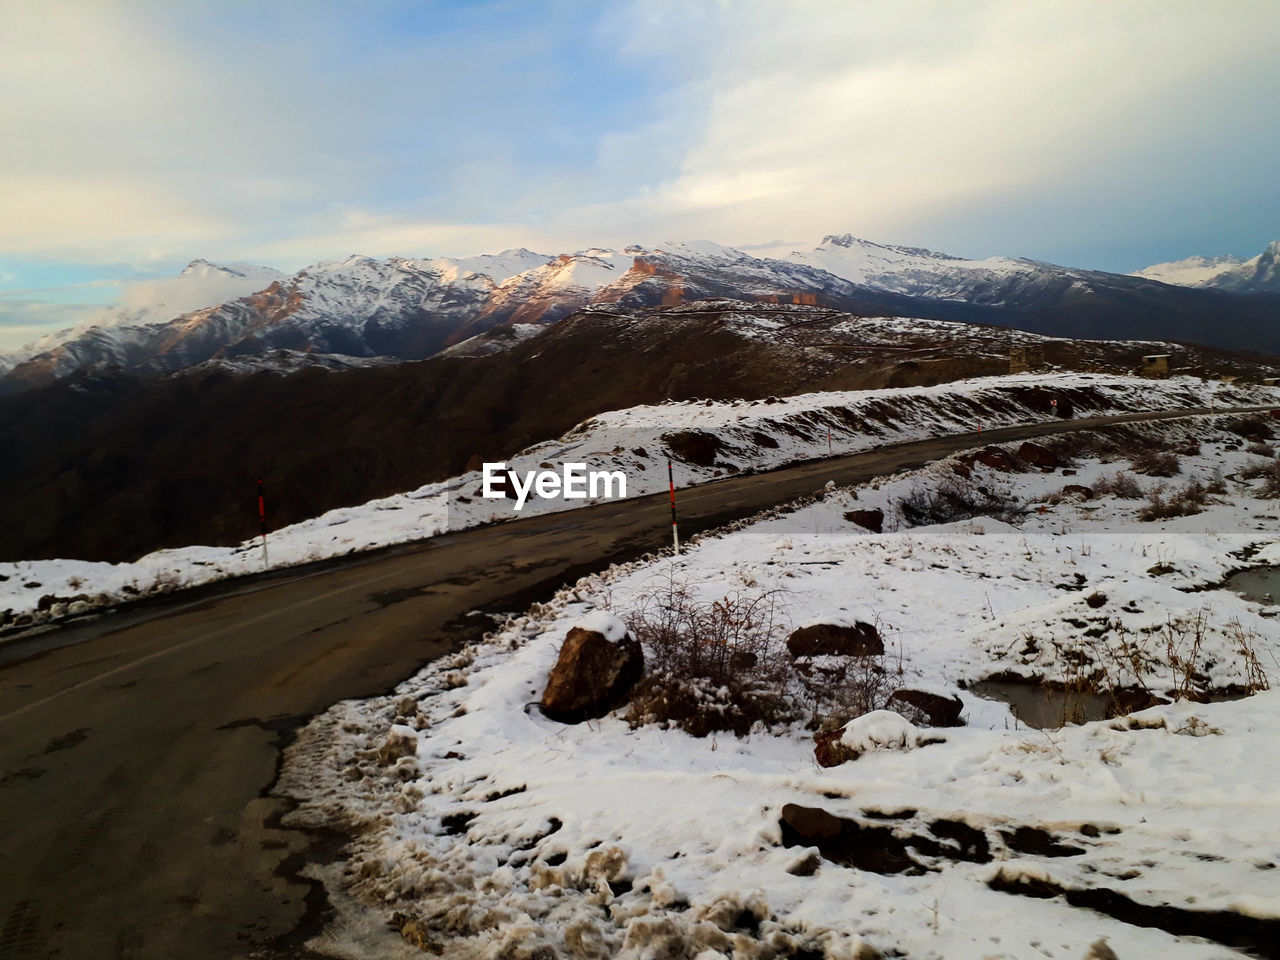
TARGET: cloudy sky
(138,136)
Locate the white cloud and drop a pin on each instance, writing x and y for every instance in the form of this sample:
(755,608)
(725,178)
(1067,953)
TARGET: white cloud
(154,133)
(377,235)
(874,117)
(25,321)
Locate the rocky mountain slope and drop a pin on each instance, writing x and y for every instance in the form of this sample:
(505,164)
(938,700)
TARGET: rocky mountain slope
(201,284)
(409,309)
(1260,274)
(111,466)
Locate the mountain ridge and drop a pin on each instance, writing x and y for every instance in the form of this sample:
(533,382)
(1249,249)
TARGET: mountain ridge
(1235,274)
(405,308)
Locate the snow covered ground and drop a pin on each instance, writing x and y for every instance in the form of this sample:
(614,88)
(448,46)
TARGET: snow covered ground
(747,436)
(484,829)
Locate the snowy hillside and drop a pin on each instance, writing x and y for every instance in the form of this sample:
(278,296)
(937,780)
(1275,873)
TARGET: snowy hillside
(706,440)
(981,838)
(1260,274)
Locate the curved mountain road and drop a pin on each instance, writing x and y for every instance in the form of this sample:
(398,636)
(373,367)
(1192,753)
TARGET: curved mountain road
(138,749)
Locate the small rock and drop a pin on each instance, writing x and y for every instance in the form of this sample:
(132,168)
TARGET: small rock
(833,639)
(806,866)
(591,676)
(877,730)
(1078,490)
(828,750)
(938,709)
(996,459)
(872,520)
(813,824)
(1038,455)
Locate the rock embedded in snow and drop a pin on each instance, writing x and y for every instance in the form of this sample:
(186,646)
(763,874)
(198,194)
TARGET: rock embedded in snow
(828,750)
(879,730)
(835,639)
(594,672)
(872,520)
(938,708)
(1038,455)
(996,459)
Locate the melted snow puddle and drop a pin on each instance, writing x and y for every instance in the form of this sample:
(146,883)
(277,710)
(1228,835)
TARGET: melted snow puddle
(1049,708)
(1260,584)
(1045,708)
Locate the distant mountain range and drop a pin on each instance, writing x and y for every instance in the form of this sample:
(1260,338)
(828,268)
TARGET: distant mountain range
(1260,274)
(409,309)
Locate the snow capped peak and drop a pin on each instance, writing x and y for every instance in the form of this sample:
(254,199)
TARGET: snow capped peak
(198,266)
(913,271)
(1260,274)
(849,242)
(840,240)
(1191,271)
(200,285)
(701,248)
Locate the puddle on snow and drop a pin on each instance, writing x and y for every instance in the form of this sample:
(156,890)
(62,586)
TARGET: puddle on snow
(1260,584)
(1047,708)
(1044,708)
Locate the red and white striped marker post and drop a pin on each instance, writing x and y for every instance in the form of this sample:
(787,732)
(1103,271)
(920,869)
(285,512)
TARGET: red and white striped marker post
(262,524)
(828,441)
(675,530)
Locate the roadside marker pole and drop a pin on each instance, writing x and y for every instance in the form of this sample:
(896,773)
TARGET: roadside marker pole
(262,525)
(675,530)
(828,441)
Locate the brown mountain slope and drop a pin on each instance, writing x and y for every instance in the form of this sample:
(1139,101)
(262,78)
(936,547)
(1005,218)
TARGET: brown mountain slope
(112,467)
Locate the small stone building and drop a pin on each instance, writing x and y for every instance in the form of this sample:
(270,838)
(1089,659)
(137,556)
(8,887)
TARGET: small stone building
(1027,357)
(1156,365)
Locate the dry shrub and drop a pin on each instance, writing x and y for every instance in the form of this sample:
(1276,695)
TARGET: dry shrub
(1253,427)
(1270,489)
(1259,468)
(839,689)
(1156,463)
(1261,450)
(1122,485)
(718,665)
(1185,502)
(723,665)
(956,499)
(1085,445)
(1172,660)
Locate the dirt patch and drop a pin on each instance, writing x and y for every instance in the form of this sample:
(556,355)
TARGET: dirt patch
(1260,937)
(694,446)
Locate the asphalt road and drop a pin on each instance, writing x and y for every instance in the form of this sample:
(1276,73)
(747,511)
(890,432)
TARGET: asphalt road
(137,751)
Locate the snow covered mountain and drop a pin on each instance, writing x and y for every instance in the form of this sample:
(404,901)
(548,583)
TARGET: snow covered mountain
(201,284)
(1260,274)
(409,309)
(916,272)
(360,307)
